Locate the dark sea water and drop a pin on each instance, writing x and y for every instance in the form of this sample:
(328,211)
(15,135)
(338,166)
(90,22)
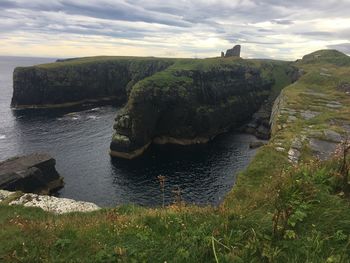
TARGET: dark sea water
(78,138)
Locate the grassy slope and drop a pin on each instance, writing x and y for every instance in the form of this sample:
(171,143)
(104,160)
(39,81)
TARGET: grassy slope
(240,230)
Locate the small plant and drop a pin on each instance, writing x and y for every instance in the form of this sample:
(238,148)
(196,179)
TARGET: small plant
(292,203)
(161,179)
(177,197)
(344,166)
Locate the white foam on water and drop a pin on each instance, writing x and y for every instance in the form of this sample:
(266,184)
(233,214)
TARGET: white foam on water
(92,117)
(2,136)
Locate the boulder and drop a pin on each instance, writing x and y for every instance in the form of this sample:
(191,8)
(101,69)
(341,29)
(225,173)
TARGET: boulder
(35,173)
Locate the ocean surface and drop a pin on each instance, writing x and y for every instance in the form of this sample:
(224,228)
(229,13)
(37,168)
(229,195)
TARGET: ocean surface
(78,138)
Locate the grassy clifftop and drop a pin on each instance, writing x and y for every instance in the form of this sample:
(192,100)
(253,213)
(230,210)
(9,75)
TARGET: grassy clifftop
(194,100)
(286,207)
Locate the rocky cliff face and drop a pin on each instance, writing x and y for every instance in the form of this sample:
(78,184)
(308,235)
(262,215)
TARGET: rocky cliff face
(182,101)
(78,80)
(191,105)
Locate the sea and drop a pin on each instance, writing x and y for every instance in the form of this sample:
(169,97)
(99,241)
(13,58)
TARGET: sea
(79,137)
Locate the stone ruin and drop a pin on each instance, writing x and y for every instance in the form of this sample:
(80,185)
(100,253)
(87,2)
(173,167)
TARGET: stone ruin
(233,52)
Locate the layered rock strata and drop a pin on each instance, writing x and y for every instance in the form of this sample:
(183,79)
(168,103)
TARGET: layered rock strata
(188,106)
(34,173)
(75,81)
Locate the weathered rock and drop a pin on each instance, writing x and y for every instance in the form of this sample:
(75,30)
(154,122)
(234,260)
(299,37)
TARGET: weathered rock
(291,118)
(308,115)
(296,144)
(294,155)
(323,150)
(234,52)
(31,173)
(222,54)
(54,204)
(280,149)
(334,105)
(332,136)
(4,195)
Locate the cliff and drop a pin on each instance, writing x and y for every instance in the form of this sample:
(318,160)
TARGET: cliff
(192,101)
(182,101)
(278,211)
(74,81)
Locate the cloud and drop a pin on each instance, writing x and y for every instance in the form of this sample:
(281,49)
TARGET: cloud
(343,47)
(265,28)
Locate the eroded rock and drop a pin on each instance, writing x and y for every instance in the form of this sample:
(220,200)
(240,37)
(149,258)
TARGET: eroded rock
(323,150)
(332,136)
(35,173)
(308,115)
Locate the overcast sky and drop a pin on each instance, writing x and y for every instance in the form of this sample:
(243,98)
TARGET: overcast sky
(183,28)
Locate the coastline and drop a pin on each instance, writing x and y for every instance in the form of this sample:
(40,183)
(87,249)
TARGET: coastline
(64,105)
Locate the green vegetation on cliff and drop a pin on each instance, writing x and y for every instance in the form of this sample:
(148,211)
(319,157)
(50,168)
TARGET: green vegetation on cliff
(285,207)
(194,100)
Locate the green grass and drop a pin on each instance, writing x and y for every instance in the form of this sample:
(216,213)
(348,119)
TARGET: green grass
(315,221)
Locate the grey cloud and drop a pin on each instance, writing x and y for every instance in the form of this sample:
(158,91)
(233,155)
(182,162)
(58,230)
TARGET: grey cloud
(283,21)
(7,4)
(344,47)
(234,21)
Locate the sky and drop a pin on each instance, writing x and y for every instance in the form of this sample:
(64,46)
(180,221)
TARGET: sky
(279,29)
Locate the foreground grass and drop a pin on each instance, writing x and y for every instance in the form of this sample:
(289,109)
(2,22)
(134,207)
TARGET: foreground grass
(277,212)
(243,229)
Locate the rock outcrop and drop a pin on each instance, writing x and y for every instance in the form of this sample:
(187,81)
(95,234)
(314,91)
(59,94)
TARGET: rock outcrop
(314,111)
(34,173)
(190,106)
(74,81)
(47,203)
(234,52)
